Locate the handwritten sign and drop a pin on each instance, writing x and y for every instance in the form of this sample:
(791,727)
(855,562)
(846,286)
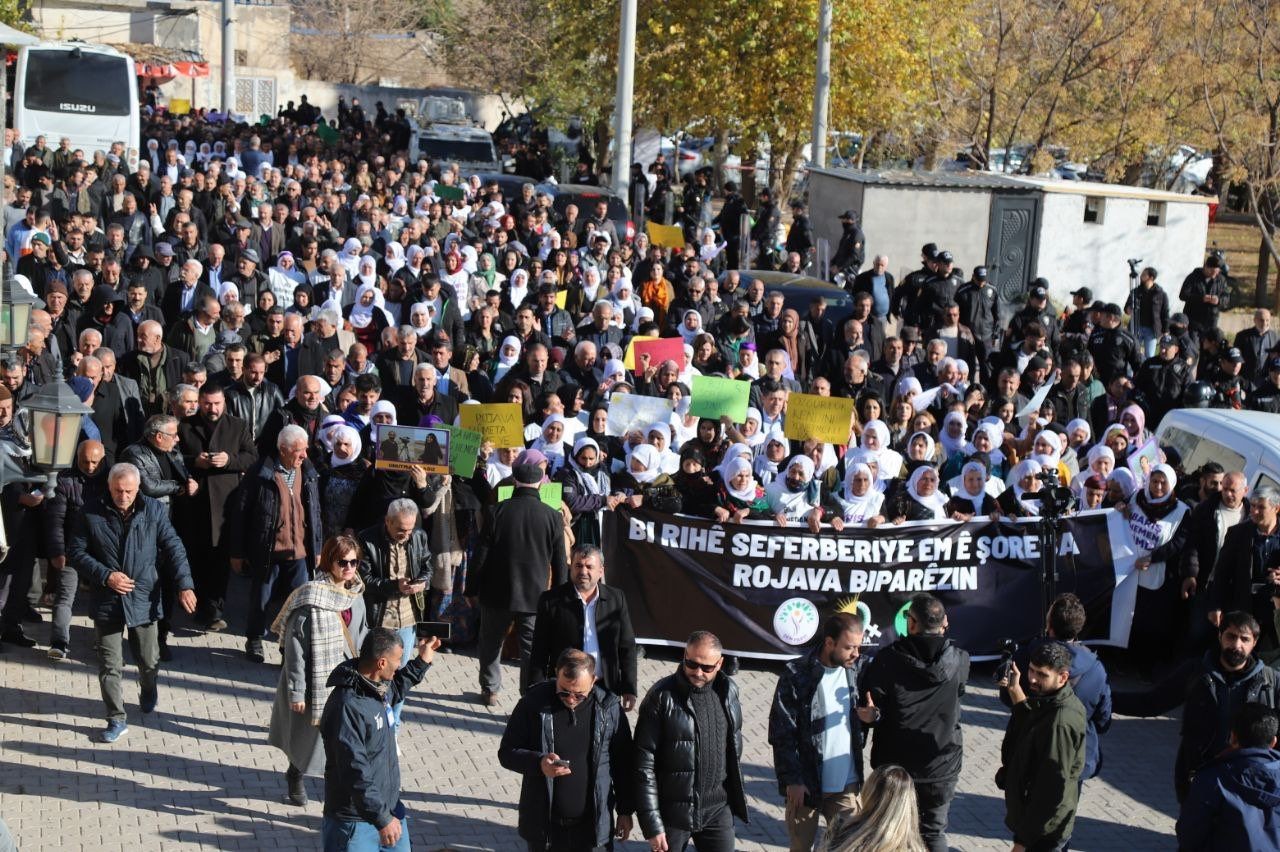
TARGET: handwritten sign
(499,422)
(629,411)
(818,418)
(464,445)
(714,397)
(662,349)
(407,447)
(551,493)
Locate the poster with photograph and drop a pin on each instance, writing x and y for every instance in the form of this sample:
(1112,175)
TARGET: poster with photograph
(406,447)
(1142,460)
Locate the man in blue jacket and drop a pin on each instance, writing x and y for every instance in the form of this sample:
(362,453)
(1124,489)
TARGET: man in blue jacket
(1234,801)
(362,807)
(119,544)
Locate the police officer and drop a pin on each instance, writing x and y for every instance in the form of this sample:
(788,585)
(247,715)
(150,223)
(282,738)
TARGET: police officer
(1036,310)
(849,253)
(765,232)
(800,235)
(938,290)
(905,301)
(1226,376)
(1114,350)
(980,312)
(729,221)
(1266,396)
(1163,378)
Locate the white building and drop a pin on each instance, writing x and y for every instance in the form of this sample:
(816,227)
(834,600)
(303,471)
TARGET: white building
(1073,233)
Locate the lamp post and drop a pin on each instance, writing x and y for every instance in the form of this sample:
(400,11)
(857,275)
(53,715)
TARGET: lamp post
(56,413)
(15,313)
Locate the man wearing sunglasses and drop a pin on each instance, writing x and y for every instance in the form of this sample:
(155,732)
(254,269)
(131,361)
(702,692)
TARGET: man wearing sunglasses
(571,741)
(688,754)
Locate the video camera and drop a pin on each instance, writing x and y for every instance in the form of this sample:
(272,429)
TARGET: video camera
(1008,648)
(1055,499)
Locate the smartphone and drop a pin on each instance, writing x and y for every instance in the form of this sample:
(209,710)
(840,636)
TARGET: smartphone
(560,762)
(429,629)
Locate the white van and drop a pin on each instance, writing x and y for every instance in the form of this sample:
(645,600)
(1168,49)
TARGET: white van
(1237,440)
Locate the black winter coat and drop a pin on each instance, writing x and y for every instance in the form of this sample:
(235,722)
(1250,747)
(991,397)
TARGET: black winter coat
(156,481)
(361,770)
(101,543)
(530,734)
(375,570)
(253,536)
(74,489)
(1212,701)
(521,546)
(794,733)
(666,755)
(919,701)
(561,620)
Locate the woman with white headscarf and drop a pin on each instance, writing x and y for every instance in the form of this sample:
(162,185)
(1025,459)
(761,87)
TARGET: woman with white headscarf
(739,497)
(1155,517)
(875,440)
(858,500)
(1024,480)
(349,257)
(551,443)
(285,277)
(587,490)
(1046,450)
(1100,460)
(952,435)
(368,317)
(517,290)
(921,500)
(770,455)
(751,431)
(690,326)
(395,257)
(794,497)
(658,435)
(341,477)
(366,272)
(971,498)
(642,476)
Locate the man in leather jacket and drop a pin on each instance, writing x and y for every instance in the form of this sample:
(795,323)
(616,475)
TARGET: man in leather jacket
(688,754)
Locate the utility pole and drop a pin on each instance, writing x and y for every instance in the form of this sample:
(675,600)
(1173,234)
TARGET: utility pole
(821,87)
(228,56)
(622,108)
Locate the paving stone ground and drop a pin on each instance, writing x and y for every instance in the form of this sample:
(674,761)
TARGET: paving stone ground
(198,774)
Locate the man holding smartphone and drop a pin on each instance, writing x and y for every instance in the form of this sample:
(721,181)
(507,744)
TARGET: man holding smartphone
(396,569)
(571,741)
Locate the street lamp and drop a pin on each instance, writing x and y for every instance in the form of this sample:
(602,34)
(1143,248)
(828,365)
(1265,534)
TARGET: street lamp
(15,313)
(56,413)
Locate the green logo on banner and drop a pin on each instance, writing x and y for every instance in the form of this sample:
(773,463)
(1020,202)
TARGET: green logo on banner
(900,620)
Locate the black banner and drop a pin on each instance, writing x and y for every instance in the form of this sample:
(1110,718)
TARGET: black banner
(764,590)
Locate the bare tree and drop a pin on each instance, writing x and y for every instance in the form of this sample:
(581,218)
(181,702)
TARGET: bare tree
(344,41)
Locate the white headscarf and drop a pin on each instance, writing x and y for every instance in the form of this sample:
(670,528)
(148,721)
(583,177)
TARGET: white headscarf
(765,469)
(687,334)
(963,492)
(367,271)
(349,257)
(930,448)
(1047,460)
(383,406)
(1023,469)
(888,462)
(732,468)
(647,455)
(361,314)
(934,502)
(348,432)
(395,257)
(950,445)
(858,509)
(506,362)
(759,437)
(1169,475)
(324,433)
(1080,423)
(553,451)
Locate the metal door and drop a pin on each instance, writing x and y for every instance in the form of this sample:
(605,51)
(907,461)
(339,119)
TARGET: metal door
(1011,244)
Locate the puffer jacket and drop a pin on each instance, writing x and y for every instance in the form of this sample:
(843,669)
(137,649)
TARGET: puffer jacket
(1212,701)
(252,530)
(101,543)
(1234,803)
(794,733)
(155,483)
(666,759)
(374,570)
(74,489)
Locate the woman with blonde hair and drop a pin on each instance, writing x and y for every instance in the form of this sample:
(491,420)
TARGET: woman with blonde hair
(321,625)
(889,820)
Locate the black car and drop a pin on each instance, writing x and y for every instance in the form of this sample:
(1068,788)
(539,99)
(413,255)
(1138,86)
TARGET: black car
(585,197)
(798,291)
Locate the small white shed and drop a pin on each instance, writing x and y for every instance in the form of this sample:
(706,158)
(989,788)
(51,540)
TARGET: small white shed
(1074,233)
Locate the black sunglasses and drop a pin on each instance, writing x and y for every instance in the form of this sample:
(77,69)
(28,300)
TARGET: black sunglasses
(576,696)
(702,667)
(347,563)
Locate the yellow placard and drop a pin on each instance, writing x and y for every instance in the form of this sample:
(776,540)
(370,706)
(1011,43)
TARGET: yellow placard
(821,418)
(499,422)
(560,298)
(179,106)
(629,358)
(667,236)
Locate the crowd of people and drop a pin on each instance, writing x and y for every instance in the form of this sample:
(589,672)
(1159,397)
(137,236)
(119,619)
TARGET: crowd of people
(245,310)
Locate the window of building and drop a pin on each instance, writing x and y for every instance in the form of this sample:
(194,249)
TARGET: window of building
(1155,214)
(1093,209)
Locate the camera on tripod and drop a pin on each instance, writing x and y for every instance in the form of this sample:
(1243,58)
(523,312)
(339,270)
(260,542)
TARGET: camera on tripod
(1055,499)
(1133,266)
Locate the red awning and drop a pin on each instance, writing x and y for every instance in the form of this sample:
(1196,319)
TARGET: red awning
(169,70)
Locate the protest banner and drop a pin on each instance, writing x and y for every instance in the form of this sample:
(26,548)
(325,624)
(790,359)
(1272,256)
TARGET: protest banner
(713,397)
(551,493)
(820,418)
(667,236)
(629,411)
(629,357)
(659,350)
(407,447)
(499,422)
(464,446)
(765,590)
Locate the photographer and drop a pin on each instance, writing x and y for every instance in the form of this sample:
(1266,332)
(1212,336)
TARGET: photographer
(1043,752)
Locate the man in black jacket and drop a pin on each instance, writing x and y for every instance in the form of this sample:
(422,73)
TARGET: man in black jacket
(851,251)
(591,616)
(362,807)
(83,483)
(522,543)
(816,700)
(916,683)
(1250,555)
(1205,293)
(276,531)
(570,740)
(688,754)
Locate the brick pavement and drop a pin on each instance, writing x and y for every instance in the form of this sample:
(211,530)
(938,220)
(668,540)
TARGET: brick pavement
(198,773)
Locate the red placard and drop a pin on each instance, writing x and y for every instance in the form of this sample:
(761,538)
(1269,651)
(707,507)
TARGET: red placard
(663,349)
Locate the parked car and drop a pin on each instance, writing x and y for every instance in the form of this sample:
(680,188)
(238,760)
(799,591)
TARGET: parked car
(799,290)
(562,195)
(1237,440)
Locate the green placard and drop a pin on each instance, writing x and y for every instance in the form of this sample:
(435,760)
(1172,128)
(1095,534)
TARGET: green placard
(714,397)
(464,444)
(326,133)
(552,493)
(449,193)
